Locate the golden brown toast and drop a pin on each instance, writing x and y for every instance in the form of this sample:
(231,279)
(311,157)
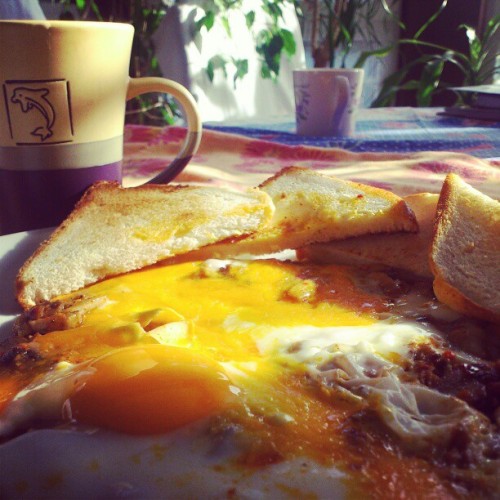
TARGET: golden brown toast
(407,251)
(465,256)
(311,207)
(114,230)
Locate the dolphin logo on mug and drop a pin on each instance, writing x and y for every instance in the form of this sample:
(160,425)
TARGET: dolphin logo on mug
(36,99)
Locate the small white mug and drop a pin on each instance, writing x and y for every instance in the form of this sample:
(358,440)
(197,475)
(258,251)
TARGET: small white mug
(326,100)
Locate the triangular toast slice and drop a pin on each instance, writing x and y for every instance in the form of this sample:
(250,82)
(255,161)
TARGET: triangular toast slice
(114,230)
(311,207)
(406,251)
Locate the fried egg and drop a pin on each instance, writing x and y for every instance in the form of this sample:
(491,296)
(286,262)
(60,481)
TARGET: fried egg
(224,378)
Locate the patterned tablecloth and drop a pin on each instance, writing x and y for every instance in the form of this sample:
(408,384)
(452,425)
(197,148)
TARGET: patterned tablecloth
(410,153)
(392,130)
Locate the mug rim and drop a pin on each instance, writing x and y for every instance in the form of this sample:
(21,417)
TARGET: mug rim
(65,24)
(329,70)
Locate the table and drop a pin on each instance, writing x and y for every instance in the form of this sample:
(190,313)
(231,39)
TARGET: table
(389,130)
(405,150)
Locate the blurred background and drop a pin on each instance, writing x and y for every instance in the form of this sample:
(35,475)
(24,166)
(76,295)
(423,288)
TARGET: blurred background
(237,56)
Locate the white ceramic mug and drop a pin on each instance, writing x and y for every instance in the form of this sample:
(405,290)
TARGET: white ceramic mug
(64,85)
(326,100)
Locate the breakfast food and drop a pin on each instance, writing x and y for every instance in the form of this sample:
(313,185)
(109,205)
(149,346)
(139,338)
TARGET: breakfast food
(250,378)
(406,251)
(125,229)
(309,203)
(311,207)
(465,250)
(118,230)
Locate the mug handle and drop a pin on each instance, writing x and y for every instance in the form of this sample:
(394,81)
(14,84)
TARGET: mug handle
(144,85)
(343,98)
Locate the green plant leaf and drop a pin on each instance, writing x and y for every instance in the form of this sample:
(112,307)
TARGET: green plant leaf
(410,85)
(154,63)
(206,21)
(382,52)
(392,15)
(429,81)
(289,45)
(96,11)
(250,19)
(475,45)
(431,19)
(265,72)
(227,26)
(273,8)
(241,69)
(491,28)
(210,71)
(215,63)
(269,47)
(390,87)
(347,37)
(273,53)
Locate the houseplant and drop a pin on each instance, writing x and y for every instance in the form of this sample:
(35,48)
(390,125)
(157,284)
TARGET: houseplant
(270,43)
(337,23)
(477,65)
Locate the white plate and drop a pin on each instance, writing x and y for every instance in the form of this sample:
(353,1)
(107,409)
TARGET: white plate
(14,250)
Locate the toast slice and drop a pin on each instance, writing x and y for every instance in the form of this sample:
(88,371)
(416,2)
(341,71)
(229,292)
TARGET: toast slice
(406,251)
(465,251)
(311,207)
(113,230)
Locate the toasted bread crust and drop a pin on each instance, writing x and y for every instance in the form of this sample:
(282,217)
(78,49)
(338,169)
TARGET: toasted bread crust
(406,251)
(91,195)
(312,207)
(466,250)
(114,230)
(457,301)
(407,218)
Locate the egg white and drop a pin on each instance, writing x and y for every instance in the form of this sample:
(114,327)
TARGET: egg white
(183,464)
(84,462)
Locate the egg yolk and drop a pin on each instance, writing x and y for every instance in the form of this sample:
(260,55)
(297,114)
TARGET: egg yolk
(151,389)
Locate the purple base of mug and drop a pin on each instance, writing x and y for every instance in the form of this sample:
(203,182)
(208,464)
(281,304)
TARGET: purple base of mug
(43,198)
